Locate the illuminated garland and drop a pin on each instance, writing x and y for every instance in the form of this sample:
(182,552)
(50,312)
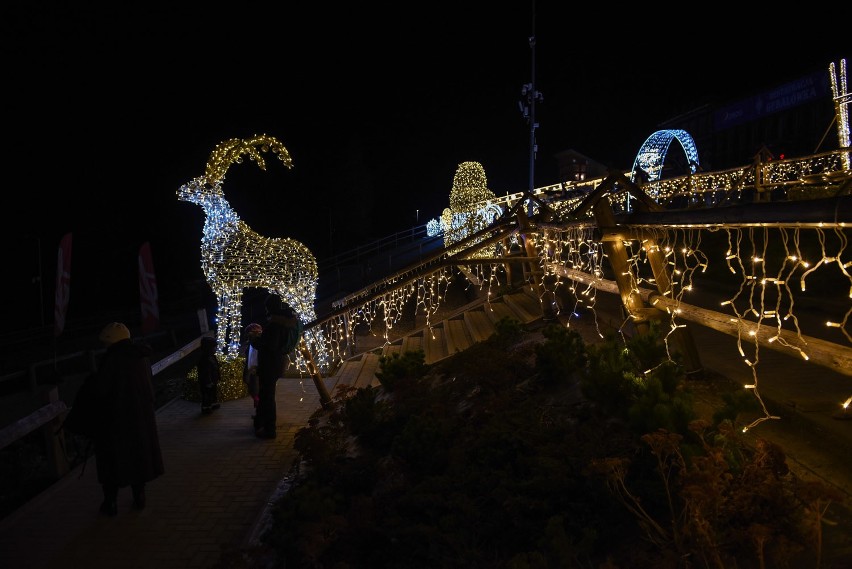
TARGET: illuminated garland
(577,249)
(707,188)
(765,298)
(842,98)
(421,296)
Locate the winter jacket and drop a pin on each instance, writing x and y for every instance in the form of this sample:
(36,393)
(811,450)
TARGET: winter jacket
(272,345)
(127,447)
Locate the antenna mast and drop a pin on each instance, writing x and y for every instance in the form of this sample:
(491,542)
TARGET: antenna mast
(527,106)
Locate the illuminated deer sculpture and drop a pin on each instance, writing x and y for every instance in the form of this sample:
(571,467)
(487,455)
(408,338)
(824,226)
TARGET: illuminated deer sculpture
(235,257)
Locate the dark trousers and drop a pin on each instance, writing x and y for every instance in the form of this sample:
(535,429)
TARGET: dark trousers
(266,413)
(208,396)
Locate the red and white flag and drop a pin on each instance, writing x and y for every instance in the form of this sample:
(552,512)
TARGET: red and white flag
(63,285)
(148,290)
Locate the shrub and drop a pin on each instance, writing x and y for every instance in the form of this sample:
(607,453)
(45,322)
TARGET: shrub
(460,469)
(560,356)
(396,368)
(507,331)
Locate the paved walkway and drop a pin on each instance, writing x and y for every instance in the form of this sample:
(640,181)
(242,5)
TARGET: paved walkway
(212,498)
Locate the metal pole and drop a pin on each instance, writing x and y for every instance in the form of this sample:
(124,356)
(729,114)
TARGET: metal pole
(533,96)
(532,99)
(39,277)
(40,283)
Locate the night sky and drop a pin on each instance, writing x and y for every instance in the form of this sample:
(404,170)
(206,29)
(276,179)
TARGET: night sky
(108,111)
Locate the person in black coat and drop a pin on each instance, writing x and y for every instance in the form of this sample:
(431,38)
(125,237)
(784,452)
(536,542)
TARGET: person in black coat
(127,446)
(272,348)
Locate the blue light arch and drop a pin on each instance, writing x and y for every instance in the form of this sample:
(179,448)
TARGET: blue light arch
(652,155)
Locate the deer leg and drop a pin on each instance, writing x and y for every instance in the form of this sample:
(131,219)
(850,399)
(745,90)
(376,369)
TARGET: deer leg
(221,331)
(233,319)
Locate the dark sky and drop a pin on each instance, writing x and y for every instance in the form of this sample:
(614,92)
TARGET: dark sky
(109,110)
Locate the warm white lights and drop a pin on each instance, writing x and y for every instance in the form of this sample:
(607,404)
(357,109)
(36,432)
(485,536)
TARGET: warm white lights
(464,216)
(842,98)
(767,261)
(234,257)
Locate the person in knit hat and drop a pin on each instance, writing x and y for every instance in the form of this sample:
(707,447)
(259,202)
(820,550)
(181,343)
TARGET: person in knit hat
(273,345)
(127,446)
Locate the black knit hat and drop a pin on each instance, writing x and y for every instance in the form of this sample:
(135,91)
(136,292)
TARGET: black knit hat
(272,303)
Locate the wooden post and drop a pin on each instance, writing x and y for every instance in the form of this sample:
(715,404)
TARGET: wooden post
(682,335)
(325,398)
(761,194)
(615,251)
(529,247)
(54,443)
(544,296)
(350,335)
(508,266)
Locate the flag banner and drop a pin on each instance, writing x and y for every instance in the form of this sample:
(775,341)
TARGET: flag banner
(63,285)
(148,291)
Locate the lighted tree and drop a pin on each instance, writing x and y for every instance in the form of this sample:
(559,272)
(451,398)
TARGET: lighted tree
(466,214)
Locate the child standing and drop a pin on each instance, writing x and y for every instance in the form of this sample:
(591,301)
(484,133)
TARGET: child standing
(209,375)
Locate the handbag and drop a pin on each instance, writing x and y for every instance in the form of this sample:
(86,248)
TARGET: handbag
(83,416)
(82,420)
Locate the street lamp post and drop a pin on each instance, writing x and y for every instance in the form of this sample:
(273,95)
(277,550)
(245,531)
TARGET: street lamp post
(40,283)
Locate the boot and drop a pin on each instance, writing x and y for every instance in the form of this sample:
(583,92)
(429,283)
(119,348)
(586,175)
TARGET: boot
(109,508)
(139,498)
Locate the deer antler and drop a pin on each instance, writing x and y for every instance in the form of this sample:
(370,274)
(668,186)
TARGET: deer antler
(231,151)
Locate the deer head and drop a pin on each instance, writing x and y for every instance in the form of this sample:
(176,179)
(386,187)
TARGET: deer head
(199,192)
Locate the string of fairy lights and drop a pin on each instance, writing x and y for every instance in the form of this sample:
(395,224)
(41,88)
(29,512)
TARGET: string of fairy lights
(765,297)
(842,98)
(772,264)
(765,294)
(707,188)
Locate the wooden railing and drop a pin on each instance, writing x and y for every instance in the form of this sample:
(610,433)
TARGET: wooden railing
(49,415)
(807,197)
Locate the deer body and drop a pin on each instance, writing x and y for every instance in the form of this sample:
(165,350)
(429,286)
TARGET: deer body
(235,257)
